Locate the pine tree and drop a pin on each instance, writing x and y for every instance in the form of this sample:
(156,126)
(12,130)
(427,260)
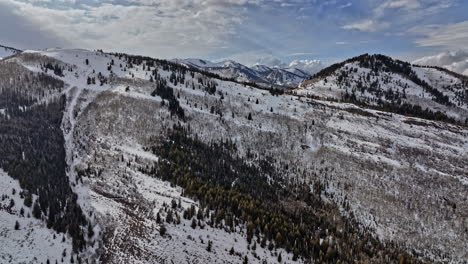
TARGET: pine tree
(249,117)
(28,199)
(210,244)
(162,230)
(36,210)
(17,225)
(90,230)
(169,217)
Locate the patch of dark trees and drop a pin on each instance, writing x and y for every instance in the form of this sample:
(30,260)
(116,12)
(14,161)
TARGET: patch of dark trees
(55,68)
(167,93)
(255,197)
(14,95)
(32,151)
(404,109)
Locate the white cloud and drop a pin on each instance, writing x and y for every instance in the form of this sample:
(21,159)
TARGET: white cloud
(345,5)
(163,28)
(271,62)
(449,36)
(15,30)
(397,12)
(308,66)
(301,54)
(367,25)
(454,61)
(406,4)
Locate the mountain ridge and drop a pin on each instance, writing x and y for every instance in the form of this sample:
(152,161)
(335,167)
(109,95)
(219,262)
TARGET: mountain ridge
(379,80)
(6,51)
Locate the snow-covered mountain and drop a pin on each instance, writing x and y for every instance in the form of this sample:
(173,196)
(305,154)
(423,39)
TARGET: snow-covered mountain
(7,51)
(160,163)
(377,80)
(260,74)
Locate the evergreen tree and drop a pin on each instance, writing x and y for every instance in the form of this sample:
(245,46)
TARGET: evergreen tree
(162,230)
(36,210)
(210,245)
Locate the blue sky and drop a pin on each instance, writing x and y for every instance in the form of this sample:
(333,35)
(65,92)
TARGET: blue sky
(245,30)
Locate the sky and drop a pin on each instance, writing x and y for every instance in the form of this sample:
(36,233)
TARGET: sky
(249,31)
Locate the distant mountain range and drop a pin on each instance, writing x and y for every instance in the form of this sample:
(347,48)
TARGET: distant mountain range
(261,74)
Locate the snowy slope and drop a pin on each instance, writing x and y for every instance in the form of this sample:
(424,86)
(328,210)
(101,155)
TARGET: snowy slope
(111,214)
(7,51)
(378,80)
(400,175)
(32,241)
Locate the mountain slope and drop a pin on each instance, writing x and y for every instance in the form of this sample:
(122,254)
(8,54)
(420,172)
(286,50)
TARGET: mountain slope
(153,151)
(7,51)
(377,80)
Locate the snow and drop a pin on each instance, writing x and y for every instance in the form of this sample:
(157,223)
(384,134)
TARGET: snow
(33,242)
(384,163)
(447,84)
(6,52)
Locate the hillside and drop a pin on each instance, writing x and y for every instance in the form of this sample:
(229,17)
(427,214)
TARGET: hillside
(7,51)
(260,74)
(159,162)
(397,86)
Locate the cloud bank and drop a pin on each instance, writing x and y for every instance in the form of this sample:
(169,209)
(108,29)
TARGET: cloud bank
(454,61)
